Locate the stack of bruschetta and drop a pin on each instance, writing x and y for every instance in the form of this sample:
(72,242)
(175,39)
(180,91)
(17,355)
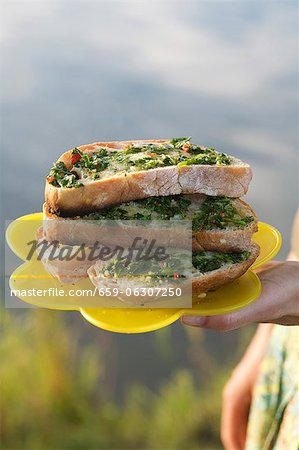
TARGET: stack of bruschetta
(167,180)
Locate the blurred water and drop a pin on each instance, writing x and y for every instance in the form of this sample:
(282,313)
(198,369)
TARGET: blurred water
(223,72)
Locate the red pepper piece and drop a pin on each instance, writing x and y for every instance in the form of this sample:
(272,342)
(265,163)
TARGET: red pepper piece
(76,157)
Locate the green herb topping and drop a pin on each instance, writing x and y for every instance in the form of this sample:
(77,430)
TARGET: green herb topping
(100,163)
(97,161)
(219,212)
(60,176)
(213,212)
(174,267)
(208,261)
(179,142)
(152,208)
(150,269)
(206,159)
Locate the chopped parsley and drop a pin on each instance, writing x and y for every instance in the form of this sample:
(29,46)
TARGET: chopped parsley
(132,149)
(168,207)
(206,159)
(151,270)
(180,141)
(97,161)
(60,176)
(177,152)
(175,266)
(151,163)
(115,213)
(208,261)
(152,208)
(213,212)
(219,212)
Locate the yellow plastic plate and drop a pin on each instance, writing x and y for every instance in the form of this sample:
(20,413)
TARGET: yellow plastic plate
(32,273)
(231,297)
(228,298)
(269,240)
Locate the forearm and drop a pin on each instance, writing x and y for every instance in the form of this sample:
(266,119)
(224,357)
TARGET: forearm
(257,347)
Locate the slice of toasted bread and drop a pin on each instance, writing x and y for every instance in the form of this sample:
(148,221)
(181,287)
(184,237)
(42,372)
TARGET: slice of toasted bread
(216,235)
(201,281)
(118,185)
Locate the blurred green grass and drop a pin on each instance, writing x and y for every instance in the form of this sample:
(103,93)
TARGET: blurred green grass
(53,394)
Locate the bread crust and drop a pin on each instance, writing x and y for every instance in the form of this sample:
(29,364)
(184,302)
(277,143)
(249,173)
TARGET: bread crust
(230,181)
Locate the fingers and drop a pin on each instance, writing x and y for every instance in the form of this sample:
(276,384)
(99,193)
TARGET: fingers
(226,322)
(255,313)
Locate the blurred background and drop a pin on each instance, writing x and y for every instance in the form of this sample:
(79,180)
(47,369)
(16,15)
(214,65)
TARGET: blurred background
(74,72)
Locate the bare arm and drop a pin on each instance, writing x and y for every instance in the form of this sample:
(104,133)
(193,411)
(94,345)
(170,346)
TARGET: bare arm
(237,393)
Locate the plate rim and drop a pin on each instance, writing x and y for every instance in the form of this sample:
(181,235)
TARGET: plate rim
(133,330)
